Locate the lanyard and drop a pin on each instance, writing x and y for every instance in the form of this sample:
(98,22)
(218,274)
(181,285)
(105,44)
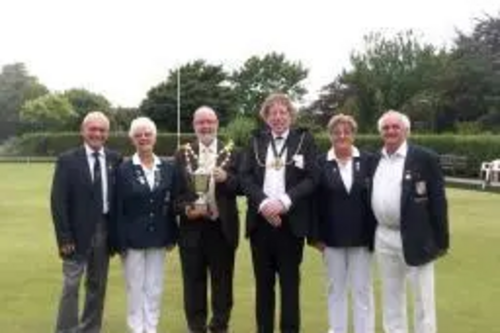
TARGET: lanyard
(275,150)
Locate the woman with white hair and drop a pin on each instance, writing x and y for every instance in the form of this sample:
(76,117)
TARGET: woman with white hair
(145,225)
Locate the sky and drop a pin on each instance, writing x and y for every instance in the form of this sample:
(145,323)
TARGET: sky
(122,48)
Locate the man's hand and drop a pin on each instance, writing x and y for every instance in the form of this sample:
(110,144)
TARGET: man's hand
(195,212)
(220,175)
(320,246)
(67,249)
(272,210)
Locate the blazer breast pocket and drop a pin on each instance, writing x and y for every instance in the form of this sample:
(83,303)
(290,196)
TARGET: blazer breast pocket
(420,200)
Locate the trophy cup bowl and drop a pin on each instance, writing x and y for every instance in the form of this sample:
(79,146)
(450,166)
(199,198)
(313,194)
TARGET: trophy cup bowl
(201,182)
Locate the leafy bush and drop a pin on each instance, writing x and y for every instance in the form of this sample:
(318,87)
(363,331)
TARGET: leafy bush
(477,148)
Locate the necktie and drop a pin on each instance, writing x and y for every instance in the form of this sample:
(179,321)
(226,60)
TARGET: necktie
(97,181)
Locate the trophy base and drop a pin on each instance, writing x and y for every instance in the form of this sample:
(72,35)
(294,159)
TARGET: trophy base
(201,207)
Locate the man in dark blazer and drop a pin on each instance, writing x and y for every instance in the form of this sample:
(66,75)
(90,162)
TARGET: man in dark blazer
(409,202)
(278,178)
(209,224)
(82,186)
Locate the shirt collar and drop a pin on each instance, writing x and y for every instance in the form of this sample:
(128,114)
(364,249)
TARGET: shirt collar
(137,161)
(332,157)
(212,147)
(400,152)
(90,152)
(284,135)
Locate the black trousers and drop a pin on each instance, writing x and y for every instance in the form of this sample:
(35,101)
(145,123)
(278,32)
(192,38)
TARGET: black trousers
(213,255)
(276,251)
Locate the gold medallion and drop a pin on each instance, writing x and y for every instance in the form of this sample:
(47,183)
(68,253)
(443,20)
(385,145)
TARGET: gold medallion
(278,163)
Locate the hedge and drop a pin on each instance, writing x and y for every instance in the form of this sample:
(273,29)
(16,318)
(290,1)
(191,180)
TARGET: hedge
(52,144)
(475,147)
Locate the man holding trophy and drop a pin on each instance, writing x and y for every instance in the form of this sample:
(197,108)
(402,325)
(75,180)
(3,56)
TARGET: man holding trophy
(209,224)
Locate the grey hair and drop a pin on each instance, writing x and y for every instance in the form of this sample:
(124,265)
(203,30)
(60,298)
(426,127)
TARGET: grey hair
(95,115)
(405,120)
(141,122)
(204,109)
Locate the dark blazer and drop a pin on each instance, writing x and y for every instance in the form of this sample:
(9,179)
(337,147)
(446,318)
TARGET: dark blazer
(145,217)
(225,196)
(345,219)
(74,207)
(424,213)
(299,181)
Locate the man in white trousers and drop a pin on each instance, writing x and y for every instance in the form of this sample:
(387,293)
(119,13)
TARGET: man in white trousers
(409,202)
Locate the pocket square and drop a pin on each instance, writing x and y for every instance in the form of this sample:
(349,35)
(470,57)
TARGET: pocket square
(298,161)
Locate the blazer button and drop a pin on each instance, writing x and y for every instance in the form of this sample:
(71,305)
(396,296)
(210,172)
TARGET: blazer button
(151,214)
(151,228)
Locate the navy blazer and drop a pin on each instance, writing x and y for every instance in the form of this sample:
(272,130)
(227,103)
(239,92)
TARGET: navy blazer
(344,219)
(75,211)
(424,210)
(300,180)
(145,217)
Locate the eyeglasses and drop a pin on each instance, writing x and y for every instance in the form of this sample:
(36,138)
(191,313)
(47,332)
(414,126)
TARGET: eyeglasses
(97,129)
(392,126)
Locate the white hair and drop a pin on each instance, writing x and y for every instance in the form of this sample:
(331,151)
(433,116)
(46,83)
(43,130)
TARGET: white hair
(204,110)
(95,116)
(141,122)
(405,120)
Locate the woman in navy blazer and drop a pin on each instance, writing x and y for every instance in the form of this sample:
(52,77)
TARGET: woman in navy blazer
(145,225)
(345,228)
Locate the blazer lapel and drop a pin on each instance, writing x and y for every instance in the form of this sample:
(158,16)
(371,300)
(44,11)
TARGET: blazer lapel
(291,149)
(191,160)
(407,178)
(83,164)
(357,178)
(260,145)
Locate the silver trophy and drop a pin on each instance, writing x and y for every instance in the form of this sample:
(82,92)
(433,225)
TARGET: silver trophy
(201,182)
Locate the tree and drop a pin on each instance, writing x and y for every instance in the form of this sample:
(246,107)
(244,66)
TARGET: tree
(201,84)
(50,112)
(473,82)
(16,87)
(84,101)
(387,74)
(121,117)
(260,77)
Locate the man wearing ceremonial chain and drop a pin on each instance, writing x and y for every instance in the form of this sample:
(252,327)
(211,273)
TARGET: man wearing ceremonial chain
(278,175)
(209,224)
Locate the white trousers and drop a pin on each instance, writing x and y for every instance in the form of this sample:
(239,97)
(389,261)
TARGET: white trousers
(144,272)
(394,273)
(349,269)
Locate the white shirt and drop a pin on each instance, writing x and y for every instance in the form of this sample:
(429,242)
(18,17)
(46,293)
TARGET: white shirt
(207,156)
(104,175)
(387,187)
(345,169)
(274,180)
(149,173)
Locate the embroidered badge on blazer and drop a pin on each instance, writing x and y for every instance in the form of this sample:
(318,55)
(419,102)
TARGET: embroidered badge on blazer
(421,188)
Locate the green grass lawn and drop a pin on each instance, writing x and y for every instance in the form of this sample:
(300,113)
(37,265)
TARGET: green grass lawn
(468,280)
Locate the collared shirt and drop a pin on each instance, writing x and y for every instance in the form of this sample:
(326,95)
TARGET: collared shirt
(345,169)
(274,180)
(150,173)
(207,155)
(387,187)
(89,152)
